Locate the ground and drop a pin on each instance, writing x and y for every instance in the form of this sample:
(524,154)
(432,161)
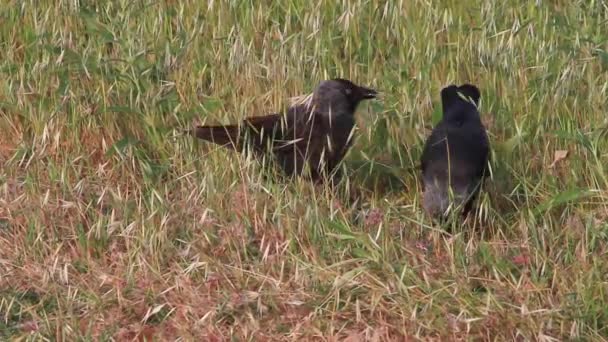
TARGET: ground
(114,226)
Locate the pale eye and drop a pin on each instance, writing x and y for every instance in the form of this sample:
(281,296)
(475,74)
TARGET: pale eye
(348,91)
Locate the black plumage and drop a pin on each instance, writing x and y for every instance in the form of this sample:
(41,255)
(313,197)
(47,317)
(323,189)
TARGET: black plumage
(456,154)
(316,134)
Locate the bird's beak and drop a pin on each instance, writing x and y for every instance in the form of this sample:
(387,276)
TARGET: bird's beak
(368,93)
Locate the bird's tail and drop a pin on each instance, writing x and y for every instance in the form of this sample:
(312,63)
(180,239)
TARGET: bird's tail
(227,136)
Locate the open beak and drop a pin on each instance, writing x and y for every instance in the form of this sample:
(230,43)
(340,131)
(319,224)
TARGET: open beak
(368,93)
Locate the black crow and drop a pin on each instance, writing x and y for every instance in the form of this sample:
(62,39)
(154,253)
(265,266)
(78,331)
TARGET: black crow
(317,133)
(455,155)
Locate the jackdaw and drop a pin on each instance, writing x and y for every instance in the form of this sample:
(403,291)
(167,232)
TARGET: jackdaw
(317,133)
(455,155)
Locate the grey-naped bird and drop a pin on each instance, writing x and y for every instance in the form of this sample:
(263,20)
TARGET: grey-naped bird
(317,133)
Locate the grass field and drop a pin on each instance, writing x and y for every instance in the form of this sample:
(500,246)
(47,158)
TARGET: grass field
(114,226)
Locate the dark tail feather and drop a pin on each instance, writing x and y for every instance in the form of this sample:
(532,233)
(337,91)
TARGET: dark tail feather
(227,136)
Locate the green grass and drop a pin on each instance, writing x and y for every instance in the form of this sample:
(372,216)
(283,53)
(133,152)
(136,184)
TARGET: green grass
(114,226)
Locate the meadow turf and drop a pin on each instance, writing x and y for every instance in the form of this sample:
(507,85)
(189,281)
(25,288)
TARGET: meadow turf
(115,226)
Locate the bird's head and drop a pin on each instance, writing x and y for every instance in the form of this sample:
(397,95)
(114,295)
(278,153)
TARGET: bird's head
(460,103)
(340,96)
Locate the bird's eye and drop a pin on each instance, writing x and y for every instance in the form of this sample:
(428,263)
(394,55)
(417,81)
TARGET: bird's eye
(348,91)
